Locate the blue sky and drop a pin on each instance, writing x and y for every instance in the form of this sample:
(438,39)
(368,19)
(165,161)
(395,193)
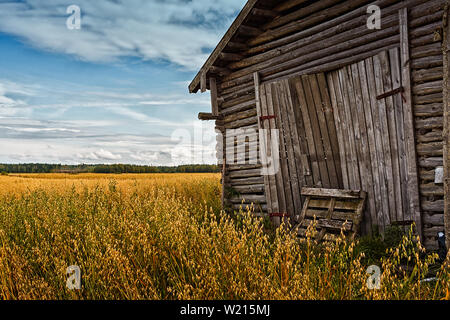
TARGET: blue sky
(114,91)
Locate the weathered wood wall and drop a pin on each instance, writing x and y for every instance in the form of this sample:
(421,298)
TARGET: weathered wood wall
(427,85)
(446,136)
(321,36)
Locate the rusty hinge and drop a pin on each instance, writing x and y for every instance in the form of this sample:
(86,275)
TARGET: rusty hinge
(267,117)
(391,93)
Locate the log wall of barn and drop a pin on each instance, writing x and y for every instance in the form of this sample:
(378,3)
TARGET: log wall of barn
(324,36)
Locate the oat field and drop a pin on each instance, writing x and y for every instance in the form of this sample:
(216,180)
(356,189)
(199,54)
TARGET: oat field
(165,237)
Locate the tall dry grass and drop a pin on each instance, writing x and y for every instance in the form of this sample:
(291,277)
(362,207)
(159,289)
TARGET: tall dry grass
(164,237)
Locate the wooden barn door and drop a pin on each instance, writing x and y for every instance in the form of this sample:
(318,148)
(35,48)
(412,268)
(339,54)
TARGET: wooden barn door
(370,112)
(299,110)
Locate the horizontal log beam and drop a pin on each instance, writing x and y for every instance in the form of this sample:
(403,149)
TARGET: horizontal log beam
(237,46)
(219,70)
(249,31)
(431,162)
(205,116)
(230,56)
(265,13)
(433,206)
(435,219)
(432,136)
(286,5)
(429,123)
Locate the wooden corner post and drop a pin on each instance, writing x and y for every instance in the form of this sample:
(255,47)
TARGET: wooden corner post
(203,82)
(446,137)
(214,98)
(413,180)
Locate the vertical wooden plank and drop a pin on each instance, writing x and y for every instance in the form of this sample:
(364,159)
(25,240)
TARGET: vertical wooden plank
(355,136)
(305,208)
(413,182)
(325,136)
(308,130)
(268,155)
(446,135)
(214,101)
(367,102)
(359,213)
(365,160)
(303,165)
(337,104)
(398,116)
(328,112)
(295,136)
(276,181)
(288,127)
(284,180)
(318,143)
(224,173)
(355,116)
(389,179)
(203,82)
(331,205)
(383,215)
(259,97)
(299,135)
(352,156)
(392,129)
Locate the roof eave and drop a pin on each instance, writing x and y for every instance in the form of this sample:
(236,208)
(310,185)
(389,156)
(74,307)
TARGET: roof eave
(195,84)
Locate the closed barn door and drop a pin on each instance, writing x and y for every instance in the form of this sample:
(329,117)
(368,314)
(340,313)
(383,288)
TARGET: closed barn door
(370,112)
(297,113)
(347,129)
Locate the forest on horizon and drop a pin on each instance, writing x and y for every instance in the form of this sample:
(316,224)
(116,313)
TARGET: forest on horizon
(104,168)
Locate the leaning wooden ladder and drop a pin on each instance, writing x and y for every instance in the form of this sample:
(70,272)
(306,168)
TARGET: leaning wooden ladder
(332,211)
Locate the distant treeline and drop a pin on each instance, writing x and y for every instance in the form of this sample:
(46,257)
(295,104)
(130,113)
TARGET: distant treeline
(114,168)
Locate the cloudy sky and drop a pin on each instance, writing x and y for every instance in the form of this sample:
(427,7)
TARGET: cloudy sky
(114,91)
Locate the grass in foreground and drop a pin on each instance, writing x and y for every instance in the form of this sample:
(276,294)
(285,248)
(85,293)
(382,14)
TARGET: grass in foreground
(164,237)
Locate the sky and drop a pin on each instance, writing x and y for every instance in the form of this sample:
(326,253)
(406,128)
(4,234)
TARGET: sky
(112,91)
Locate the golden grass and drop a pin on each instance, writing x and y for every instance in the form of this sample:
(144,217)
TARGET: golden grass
(19,183)
(164,237)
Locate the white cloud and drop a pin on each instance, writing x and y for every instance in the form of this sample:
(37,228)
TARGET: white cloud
(100,155)
(193,101)
(178,31)
(19,95)
(7,102)
(38,130)
(9,89)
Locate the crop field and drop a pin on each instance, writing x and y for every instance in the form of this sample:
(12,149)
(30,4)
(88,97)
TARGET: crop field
(163,236)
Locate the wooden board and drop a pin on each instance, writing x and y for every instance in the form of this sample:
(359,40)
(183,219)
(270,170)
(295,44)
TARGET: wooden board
(331,212)
(272,202)
(373,125)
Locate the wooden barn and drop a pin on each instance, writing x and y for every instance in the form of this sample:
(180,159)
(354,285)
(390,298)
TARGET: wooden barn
(356,97)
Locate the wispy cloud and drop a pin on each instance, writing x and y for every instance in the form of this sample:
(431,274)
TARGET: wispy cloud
(99,155)
(10,93)
(37,130)
(178,31)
